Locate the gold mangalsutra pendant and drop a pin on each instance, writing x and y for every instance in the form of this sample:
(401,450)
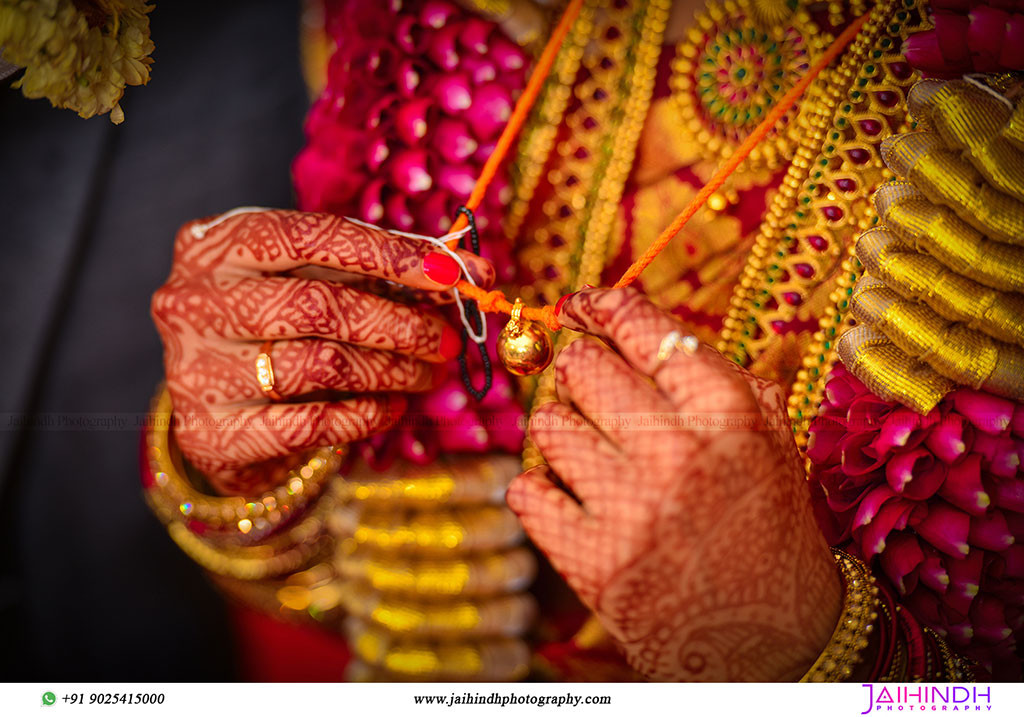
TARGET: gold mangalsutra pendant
(524,347)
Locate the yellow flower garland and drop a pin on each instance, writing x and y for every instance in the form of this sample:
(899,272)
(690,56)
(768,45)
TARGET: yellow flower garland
(80,54)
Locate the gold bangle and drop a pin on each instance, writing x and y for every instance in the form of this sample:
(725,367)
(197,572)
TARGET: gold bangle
(509,615)
(441,533)
(402,658)
(295,548)
(251,562)
(954,667)
(175,499)
(856,621)
(466,481)
(475,576)
(899,664)
(311,596)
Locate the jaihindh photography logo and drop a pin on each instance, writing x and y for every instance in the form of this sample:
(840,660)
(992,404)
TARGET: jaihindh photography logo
(927,698)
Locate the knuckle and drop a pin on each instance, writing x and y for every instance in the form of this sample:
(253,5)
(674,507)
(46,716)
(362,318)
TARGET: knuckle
(587,348)
(185,244)
(175,298)
(563,361)
(626,301)
(335,358)
(482,270)
(361,419)
(329,365)
(186,235)
(313,308)
(159,304)
(321,430)
(606,306)
(165,303)
(579,352)
(309,233)
(408,329)
(365,250)
(627,293)
(402,374)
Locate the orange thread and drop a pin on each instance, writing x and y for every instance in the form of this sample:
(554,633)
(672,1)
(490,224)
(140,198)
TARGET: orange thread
(495,301)
(519,113)
(745,148)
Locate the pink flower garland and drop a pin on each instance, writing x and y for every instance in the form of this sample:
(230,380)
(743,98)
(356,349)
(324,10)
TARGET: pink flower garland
(969,37)
(417,93)
(936,502)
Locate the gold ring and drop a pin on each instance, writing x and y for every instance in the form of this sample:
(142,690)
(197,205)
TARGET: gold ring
(676,341)
(265,371)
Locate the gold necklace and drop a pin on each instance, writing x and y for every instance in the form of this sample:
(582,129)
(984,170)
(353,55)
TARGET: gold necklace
(738,59)
(612,53)
(802,267)
(610,62)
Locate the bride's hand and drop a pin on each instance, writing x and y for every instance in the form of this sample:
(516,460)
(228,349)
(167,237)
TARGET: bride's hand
(329,294)
(674,502)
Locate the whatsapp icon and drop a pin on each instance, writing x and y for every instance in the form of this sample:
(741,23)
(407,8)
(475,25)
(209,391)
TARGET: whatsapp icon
(49,698)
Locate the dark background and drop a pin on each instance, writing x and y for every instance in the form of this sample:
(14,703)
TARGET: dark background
(91,587)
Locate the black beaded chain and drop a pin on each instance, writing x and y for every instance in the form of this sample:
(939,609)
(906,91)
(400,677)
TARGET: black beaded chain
(475,319)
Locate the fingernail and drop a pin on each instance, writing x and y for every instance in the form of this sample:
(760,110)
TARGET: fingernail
(440,268)
(451,343)
(558,306)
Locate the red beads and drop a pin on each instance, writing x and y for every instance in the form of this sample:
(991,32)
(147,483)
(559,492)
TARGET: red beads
(858,155)
(833,214)
(818,243)
(900,70)
(870,127)
(804,270)
(887,98)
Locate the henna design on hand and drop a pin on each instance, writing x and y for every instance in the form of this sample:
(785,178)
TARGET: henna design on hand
(693,540)
(254,309)
(267,276)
